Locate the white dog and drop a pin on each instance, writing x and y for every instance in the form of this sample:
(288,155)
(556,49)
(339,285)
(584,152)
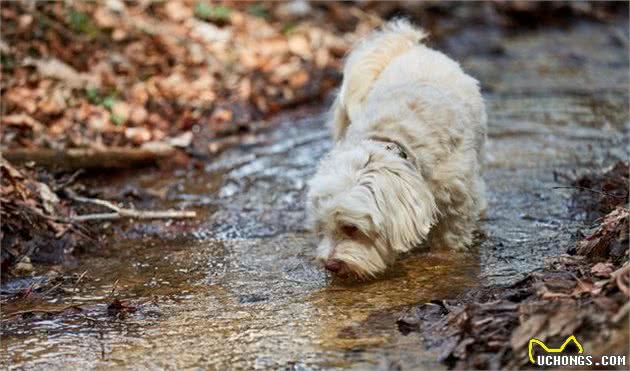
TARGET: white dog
(410,128)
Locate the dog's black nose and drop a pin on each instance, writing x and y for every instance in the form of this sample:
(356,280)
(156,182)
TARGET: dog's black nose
(333,265)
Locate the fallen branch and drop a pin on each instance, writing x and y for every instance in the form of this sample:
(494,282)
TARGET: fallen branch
(89,158)
(120,212)
(136,214)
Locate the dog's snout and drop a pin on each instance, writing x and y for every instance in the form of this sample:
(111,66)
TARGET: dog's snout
(334,265)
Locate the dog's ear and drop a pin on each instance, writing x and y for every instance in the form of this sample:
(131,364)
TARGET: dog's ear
(410,210)
(338,120)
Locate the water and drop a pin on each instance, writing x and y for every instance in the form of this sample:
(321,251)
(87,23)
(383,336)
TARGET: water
(238,288)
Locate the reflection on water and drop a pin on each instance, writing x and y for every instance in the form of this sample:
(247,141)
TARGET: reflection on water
(240,289)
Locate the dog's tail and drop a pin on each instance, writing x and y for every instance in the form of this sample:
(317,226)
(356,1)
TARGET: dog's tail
(370,57)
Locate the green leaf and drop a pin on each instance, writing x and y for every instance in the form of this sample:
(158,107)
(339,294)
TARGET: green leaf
(93,95)
(78,20)
(117,119)
(109,102)
(212,12)
(258,10)
(7,60)
(288,27)
(82,23)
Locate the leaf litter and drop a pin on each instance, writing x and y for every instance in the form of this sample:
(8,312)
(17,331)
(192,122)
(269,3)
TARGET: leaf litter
(584,293)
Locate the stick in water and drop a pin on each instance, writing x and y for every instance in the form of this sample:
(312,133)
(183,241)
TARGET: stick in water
(120,212)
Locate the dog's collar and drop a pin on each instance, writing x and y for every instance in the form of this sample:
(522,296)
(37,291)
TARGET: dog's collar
(393,145)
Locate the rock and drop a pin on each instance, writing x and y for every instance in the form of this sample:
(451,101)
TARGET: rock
(23,267)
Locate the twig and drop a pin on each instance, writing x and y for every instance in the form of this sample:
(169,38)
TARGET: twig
(50,289)
(136,214)
(111,294)
(591,190)
(95,201)
(68,181)
(38,310)
(120,212)
(74,289)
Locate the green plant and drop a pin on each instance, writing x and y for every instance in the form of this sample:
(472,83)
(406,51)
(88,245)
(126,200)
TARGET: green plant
(210,12)
(81,23)
(96,97)
(258,10)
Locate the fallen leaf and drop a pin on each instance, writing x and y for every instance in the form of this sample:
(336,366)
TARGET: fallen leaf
(48,197)
(602,270)
(120,307)
(56,69)
(183,140)
(22,119)
(582,287)
(138,135)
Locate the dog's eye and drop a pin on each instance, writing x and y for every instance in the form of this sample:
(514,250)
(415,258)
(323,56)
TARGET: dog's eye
(350,230)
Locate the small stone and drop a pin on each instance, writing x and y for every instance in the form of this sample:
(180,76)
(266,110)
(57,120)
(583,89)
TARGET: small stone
(23,267)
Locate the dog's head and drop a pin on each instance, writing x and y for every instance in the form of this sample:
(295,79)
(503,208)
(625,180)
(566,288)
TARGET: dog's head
(368,201)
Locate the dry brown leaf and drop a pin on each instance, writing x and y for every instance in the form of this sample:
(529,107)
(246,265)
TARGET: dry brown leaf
(622,278)
(22,119)
(138,135)
(56,69)
(602,270)
(299,79)
(582,287)
(528,329)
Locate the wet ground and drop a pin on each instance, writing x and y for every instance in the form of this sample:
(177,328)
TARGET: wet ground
(239,287)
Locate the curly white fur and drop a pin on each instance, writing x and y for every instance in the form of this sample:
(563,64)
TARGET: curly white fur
(410,128)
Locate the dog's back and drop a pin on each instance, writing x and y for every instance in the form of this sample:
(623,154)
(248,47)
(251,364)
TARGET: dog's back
(365,63)
(390,58)
(371,57)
